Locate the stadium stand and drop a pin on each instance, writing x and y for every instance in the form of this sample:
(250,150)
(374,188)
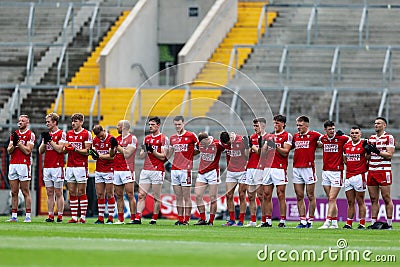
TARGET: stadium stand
(287,57)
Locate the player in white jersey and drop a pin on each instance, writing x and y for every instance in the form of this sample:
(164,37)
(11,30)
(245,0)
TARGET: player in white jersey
(379,178)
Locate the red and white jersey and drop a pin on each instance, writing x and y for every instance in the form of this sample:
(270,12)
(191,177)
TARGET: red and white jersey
(79,141)
(266,157)
(18,157)
(183,146)
(254,158)
(304,149)
(236,159)
(151,162)
(120,163)
(332,149)
(103,147)
(355,157)
(282,138)
(53,159)
(378,163)
(210,156)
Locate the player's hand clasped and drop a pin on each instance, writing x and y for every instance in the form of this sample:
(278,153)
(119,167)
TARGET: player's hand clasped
(15,138)
(69,147)
(113,142)
(46,137)
(271,143)
(92,152)
(149,148)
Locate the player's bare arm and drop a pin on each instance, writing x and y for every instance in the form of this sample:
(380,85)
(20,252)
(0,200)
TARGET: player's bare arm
(126,151)
(10,148)
(162,155)
(57,147)
(26,149)
(388,154)
(284,151)
(84,151)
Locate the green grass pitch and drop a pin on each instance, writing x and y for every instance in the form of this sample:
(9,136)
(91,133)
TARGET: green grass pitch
(164,244)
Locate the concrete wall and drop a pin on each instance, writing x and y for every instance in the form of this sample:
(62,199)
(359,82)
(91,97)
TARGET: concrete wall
(208,35)
(175,24)
(134,42)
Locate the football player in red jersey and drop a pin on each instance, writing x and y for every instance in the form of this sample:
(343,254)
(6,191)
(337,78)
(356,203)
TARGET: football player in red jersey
(52,146)
(237,151)
(255,170)
(19,174)
(124,169)
(154,149)
(183,145)
(209,174)
(356,176)
(79,141)
(275,174)
(305,142)
(382,146)
(332,144)
(103,174)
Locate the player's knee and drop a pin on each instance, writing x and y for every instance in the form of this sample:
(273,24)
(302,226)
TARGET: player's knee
(213,198)
(142,195)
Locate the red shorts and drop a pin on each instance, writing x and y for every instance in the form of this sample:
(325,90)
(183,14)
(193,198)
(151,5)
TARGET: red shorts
(381,178)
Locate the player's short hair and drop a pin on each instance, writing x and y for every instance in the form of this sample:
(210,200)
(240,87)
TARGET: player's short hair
(355,127)
(125,124)
(328,123)
(280,118)
(179,118)
(303,118)
(260,120)
(97,129)
(202,136)
(54,117)
(155,119)
(382,118)
(24,116)
(77,116)
(224,137)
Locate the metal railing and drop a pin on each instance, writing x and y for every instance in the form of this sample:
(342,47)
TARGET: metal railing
(312,20)
(95,18)
(387,64)
(60,62)
(234,104)
(31,24)
(284,62)
(336,62)
(95,98)
(68,18)
(363,24)
(263,15)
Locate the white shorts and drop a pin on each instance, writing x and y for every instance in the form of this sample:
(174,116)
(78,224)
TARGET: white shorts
(181,177)
(254,176)
(304,176)
(211,177)
(123,177)
(103,177)
(236,177)
(151,177)
(21,172)
(76,175)
(53,177)
(332,178)
(275,176)
(357,182)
